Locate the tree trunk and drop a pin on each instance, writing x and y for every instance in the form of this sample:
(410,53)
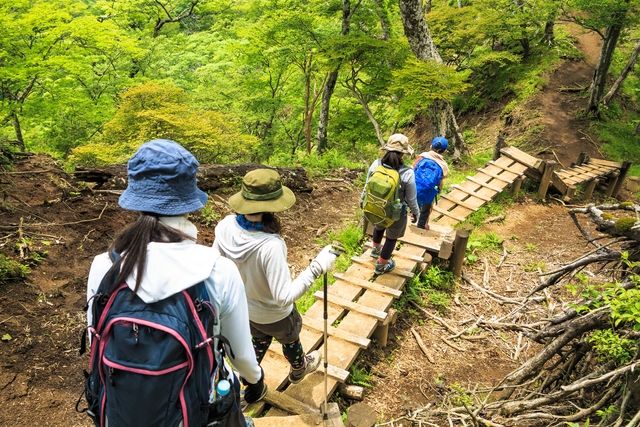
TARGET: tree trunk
(18,130)
(419,37)
(623,75)
(323,120)
(549,32)
(638,129)
(611,38)
(370,116)
(330,85)
(383,15)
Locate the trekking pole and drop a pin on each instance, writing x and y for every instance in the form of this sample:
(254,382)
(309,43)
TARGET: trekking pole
(325,315)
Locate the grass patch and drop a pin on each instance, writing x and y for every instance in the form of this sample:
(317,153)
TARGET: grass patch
(11,270)
(350,238)
(471,163)
(431,288)
(318,165)
(620,141)
(481,242)
(493,208)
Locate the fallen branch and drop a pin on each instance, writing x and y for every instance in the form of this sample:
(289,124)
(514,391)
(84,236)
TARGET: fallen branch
(421,344)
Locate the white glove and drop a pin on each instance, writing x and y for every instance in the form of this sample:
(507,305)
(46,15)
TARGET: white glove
(323,262)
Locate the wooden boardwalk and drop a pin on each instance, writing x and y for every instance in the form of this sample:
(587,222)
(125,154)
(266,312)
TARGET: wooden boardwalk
(359,304)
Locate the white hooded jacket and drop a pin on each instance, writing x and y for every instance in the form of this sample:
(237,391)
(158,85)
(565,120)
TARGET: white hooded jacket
(174,267)
(261,259)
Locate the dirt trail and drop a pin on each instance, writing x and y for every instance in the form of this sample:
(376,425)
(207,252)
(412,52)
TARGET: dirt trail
(565,132)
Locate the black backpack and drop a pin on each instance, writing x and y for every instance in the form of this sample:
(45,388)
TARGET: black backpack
(153,364)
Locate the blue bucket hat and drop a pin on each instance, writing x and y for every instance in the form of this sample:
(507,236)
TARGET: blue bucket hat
(162,180)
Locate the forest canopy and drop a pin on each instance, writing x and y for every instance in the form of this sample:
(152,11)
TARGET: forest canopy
(271,80)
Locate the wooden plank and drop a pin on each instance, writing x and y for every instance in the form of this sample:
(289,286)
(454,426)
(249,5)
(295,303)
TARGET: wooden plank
(318,325)
(371,285)
(513,165)
(600,168)
(352,306)
(370,263)
(606,163)
(400,254)
(471,193)
(484,184)
(333,371)
(289,404)
(494,176)
(459,202)
(438,209)
(506,168)
(522,157)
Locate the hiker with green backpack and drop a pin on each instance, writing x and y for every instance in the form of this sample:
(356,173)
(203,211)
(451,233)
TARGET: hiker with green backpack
(390,190)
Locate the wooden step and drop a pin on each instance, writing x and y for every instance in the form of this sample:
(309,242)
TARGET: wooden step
(369,285)
(494,176)
(449,214)
(318,325)
(401,254)
(484,184)
(353,306)
(333,371)
(472,193)
(370,263)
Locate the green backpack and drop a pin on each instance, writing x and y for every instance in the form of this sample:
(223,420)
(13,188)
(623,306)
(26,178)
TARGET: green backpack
(382,205)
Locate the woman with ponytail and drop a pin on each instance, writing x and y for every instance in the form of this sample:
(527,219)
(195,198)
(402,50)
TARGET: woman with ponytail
(157,258)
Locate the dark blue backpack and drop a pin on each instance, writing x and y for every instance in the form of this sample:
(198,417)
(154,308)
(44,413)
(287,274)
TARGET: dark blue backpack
(152,364)
(428,176)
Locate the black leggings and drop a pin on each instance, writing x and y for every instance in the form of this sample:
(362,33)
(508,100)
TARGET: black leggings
(389,244)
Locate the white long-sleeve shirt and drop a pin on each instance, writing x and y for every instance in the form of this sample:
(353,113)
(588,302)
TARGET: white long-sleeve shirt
(174,267)
(262,260)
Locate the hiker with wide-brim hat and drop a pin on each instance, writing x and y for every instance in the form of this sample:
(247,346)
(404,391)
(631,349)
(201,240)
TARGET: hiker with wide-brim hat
(252,239)
(158,259)
(393,151)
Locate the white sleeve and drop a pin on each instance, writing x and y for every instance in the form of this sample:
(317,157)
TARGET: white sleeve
(226,289)
(284,290)
(99,267)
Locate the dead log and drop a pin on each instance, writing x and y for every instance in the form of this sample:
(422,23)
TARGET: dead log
(351,391)
(211,177)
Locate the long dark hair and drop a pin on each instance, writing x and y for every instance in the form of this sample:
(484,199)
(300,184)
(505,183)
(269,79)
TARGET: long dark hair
(271,223)
(132,244)
(393,159)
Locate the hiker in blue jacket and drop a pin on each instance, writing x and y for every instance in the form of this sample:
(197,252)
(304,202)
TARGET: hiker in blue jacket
(430,170)
(397,145)
(160,258)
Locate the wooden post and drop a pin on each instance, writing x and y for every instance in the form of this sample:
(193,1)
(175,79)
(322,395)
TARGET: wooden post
(623,174)
(500,144)
(361,415)
(549,167)
(588,191)
(459,248)
(611,186)
(517,184)
(381,334)
(583,158)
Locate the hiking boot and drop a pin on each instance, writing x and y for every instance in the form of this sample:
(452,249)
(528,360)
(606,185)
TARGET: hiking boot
(384,267)
(311,363)
(375,251)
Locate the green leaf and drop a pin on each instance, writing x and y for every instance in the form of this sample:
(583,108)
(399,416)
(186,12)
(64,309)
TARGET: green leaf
(6,337)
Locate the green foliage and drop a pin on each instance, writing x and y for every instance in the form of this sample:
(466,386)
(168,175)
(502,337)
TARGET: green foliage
(155,110)
(320,164)
(620,140)
(11,270)
(209,215)
(612,347)
(481,242)
(359,376)
(433,287)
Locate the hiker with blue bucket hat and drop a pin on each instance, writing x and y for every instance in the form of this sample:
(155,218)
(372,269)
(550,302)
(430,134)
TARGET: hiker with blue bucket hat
(164,311)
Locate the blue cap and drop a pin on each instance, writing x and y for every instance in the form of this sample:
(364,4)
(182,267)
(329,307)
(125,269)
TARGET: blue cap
(162,180)
(223,387)
(439,143)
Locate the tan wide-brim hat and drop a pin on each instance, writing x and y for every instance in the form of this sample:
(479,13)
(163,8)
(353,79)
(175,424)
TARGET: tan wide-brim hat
(398,142)
(262,191)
